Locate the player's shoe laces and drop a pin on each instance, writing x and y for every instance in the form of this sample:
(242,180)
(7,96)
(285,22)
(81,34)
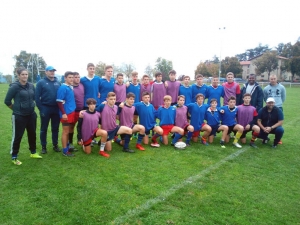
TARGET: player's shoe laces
(35,156)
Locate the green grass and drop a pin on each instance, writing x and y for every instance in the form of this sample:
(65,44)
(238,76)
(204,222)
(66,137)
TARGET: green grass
(200,185)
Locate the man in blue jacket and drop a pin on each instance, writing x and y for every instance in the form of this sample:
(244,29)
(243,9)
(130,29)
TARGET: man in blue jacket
(45,98)
(256,92)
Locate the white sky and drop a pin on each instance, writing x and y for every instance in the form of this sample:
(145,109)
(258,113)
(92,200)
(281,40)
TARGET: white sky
(70,34)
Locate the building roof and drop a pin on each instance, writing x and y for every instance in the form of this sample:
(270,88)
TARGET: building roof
(245,63)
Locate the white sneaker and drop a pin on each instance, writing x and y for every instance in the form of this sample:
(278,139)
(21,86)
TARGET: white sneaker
(237,145)
(155,144)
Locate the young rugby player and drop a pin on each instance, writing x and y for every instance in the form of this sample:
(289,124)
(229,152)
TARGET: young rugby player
(120,89)
(167,114)
(134,87)
(228,117)
(212,117)
(126,114)
(247,116)
(145,86)
(106,83)
(197,111)
(231,88)
(215,91)
(88,129)
(199,88)
(186,90)
(158,91)
(172,86)
(146,113)
(181,118)
(108,122)
(66,104)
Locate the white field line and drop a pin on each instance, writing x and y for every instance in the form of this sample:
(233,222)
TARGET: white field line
(148,204)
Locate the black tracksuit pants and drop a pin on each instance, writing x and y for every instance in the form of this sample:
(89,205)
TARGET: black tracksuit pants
(19,124)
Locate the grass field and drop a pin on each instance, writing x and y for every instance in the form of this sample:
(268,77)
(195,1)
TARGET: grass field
(199,185)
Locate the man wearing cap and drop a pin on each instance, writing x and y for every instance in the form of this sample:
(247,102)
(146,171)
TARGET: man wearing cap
(276,91)
(270,120)
(45,98)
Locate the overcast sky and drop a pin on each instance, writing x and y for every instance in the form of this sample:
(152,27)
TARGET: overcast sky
(70,34)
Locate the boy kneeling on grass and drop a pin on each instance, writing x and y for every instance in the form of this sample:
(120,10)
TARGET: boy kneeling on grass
(167,114)
(109,113)
(126,116)
(229,113)
(247,117)
(88,128)
(212,117)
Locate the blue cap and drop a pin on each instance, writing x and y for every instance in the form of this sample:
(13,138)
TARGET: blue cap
(50,68)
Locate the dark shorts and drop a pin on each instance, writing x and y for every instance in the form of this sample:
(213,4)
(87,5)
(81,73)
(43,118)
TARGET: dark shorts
(214,130)
(147,132)
(111,134)
(230,129)
(70,120)
(89,141)
(246,131)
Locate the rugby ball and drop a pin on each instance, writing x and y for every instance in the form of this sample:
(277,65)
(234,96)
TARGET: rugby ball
(180,145)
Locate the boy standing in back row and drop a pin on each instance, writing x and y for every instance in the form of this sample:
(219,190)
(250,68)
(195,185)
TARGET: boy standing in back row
(172,86)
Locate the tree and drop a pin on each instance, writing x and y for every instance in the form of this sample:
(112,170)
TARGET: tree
(34,63)
(164,66)
(231,64)
(149,71)
(202,69)
(126,69)
(100,69)
(295,66)
(266,63)
(8,78)
(252,52)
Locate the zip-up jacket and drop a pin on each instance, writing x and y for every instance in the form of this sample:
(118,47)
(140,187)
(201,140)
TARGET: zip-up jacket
(23,98)
(45,93)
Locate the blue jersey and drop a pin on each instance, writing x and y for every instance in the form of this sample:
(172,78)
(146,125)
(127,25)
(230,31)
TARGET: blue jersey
(65,95)
(187,92)
(166,115)
(229,116)
(215,92)
(105,87)
(199,90)
(135,89)
(91,88)
(197,113)
(212,117)
(146,114)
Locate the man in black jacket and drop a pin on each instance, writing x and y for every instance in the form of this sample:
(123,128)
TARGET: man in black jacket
(256,92)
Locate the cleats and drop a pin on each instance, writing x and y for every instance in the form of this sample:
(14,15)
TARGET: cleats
(140,147)
(44,150)
(16,162)
(68,154)
(237,145)
(253,145)
(104,154)
(72,148)
(274,146)
(265,141)
(35,156)
(204,142)
(155,144)
(128,150)
(56,148)
(222,144)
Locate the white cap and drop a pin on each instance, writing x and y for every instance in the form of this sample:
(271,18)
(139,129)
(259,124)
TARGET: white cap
(270,100)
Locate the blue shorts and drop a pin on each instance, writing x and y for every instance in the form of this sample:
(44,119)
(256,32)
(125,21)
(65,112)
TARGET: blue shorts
(111,134)
(147,132)
(214,129)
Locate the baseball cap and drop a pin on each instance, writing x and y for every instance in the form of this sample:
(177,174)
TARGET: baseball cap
(270,100)
(50,68)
